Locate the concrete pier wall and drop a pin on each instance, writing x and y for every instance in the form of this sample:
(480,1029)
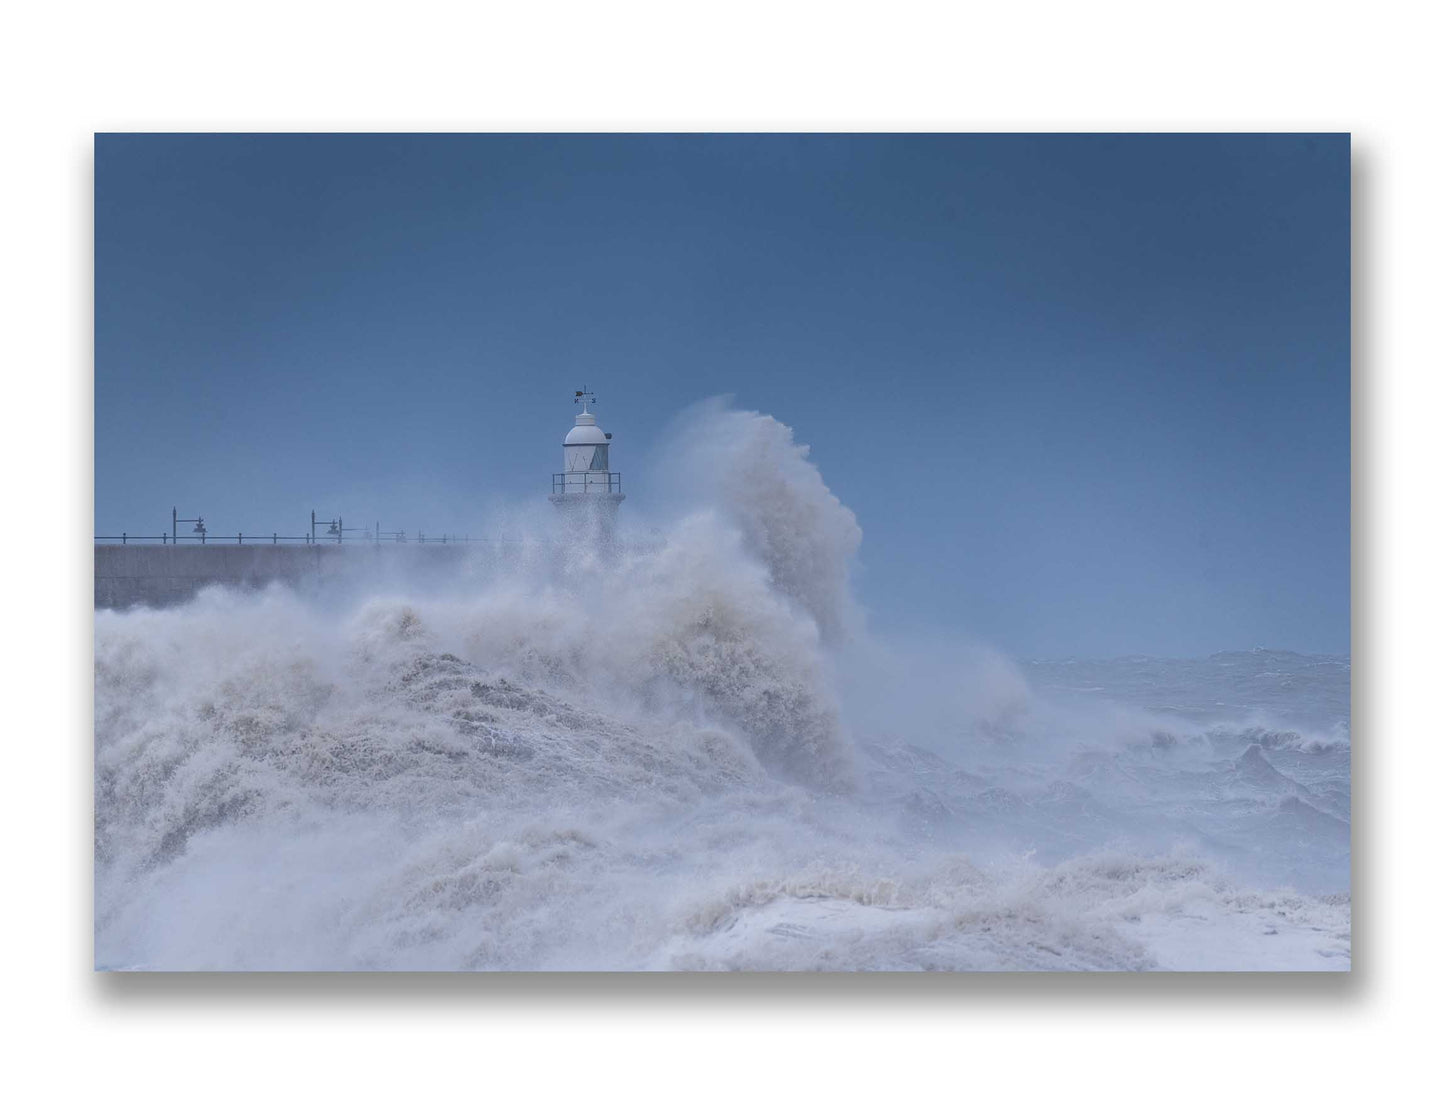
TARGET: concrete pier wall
(163,575)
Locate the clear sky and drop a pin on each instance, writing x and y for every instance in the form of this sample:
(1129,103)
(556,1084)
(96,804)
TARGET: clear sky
(1088,395)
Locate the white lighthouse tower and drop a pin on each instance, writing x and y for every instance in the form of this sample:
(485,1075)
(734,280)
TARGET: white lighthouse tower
(587,488)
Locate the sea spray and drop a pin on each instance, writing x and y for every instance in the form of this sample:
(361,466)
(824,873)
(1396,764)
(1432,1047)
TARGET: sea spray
(642,760)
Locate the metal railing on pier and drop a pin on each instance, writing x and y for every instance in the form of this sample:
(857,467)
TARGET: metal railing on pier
(305,538)
(321,531)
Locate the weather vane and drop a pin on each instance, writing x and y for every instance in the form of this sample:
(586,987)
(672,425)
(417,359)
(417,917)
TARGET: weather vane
(584,397)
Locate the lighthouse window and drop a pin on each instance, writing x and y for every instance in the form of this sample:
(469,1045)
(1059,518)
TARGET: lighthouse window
(599,458)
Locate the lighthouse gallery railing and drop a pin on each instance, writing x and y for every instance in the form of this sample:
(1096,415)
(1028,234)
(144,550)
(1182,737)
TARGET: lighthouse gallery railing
(587,482)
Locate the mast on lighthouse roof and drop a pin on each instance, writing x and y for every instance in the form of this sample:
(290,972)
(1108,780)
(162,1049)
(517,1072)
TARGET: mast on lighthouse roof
(587,485)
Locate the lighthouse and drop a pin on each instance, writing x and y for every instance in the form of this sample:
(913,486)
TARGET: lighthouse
(587,489)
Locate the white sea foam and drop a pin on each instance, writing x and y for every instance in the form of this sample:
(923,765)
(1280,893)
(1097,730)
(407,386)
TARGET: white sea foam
(691,755)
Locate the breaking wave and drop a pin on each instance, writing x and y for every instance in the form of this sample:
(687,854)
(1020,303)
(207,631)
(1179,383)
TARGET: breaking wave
(687,753)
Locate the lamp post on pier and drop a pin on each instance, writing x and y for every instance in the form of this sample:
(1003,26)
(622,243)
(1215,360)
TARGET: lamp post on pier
(199,529)
(335,529)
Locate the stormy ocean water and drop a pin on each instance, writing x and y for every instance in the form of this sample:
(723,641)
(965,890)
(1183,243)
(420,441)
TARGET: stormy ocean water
(689,753)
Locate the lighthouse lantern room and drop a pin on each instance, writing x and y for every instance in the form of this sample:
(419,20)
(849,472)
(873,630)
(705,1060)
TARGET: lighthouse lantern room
(586,480)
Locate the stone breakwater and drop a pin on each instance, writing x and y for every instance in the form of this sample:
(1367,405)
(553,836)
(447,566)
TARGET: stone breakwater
(167,575)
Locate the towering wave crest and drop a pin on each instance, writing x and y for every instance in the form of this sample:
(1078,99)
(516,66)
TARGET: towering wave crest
(635,756)
(763,483)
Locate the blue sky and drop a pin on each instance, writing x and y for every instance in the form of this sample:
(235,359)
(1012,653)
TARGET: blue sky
(1087,394)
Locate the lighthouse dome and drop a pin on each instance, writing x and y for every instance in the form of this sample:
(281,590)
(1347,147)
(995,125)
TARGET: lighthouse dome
(586,432)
